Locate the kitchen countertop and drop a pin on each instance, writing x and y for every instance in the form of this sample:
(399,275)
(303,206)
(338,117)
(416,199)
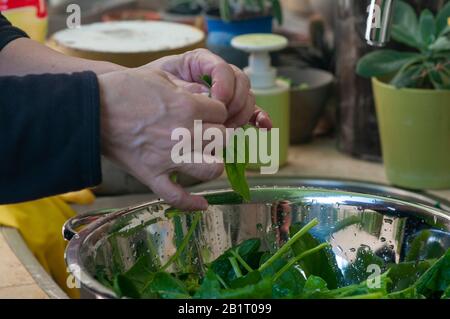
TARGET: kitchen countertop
(319,159)
(15,280)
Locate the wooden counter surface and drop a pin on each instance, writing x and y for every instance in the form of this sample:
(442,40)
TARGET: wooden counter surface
(15,280)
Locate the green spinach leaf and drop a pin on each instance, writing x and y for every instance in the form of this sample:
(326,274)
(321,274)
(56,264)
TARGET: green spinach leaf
(165,286)
(321,264)
(435,281)
(133,282)
(234,168)
(404,275)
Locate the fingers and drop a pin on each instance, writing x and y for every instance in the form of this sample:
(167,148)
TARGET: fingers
(176,196)
(193,65)
(230,84)
(240,93)
(245,114)
(213,132)
(204,172)
(224,82)
(232,87)
(207,109)
(261,119)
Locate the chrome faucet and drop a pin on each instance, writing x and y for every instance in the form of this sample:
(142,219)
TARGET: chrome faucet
(379,22)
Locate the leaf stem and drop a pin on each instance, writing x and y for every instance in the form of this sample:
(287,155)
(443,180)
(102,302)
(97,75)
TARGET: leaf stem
(242,261)
(286,246)
(221,281)
(297,259)
(235,266)
(184,243)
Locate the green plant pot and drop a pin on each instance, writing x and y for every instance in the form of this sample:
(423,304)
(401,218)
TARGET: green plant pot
(415,135)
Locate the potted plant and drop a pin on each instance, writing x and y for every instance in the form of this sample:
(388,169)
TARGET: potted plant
(412,97)
(226,19)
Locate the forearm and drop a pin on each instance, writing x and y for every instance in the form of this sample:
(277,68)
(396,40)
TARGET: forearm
(24,56)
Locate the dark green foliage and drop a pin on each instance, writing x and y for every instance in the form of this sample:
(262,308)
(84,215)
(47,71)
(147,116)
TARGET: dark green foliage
(404,275)
(236,171)
(302,269)
(436,280)
(321,264)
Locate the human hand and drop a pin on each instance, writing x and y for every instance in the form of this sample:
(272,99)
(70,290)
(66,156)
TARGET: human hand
(230,85)
(139,110)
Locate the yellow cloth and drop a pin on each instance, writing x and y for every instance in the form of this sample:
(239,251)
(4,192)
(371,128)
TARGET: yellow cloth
(40,223)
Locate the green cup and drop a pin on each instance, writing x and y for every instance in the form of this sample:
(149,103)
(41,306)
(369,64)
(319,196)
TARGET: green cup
(415,135)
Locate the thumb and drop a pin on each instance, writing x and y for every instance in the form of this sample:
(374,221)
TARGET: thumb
(176,196)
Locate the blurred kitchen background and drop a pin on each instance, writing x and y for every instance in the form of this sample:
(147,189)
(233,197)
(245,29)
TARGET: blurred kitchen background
(326,37)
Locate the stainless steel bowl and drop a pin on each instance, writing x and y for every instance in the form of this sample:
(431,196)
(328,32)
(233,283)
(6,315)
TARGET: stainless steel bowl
(348,221)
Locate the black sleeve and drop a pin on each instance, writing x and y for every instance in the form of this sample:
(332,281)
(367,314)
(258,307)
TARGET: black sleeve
(8,33)
(49,135)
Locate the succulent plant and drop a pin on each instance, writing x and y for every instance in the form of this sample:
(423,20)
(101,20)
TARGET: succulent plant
(427,65)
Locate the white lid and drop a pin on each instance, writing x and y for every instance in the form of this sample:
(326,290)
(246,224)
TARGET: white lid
(259,45)
(129,36)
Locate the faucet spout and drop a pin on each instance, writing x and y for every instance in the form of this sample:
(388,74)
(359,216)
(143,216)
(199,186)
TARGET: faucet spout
(379,21)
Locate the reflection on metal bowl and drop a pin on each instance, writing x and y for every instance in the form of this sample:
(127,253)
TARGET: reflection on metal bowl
(347,221)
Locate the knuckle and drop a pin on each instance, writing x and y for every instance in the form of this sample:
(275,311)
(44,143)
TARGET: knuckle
(235,68)
(242,77)
(240,74)
(204,53)
(160,73)
(201,51)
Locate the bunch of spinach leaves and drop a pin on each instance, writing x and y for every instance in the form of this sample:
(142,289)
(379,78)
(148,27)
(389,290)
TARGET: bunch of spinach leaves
(302,268)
